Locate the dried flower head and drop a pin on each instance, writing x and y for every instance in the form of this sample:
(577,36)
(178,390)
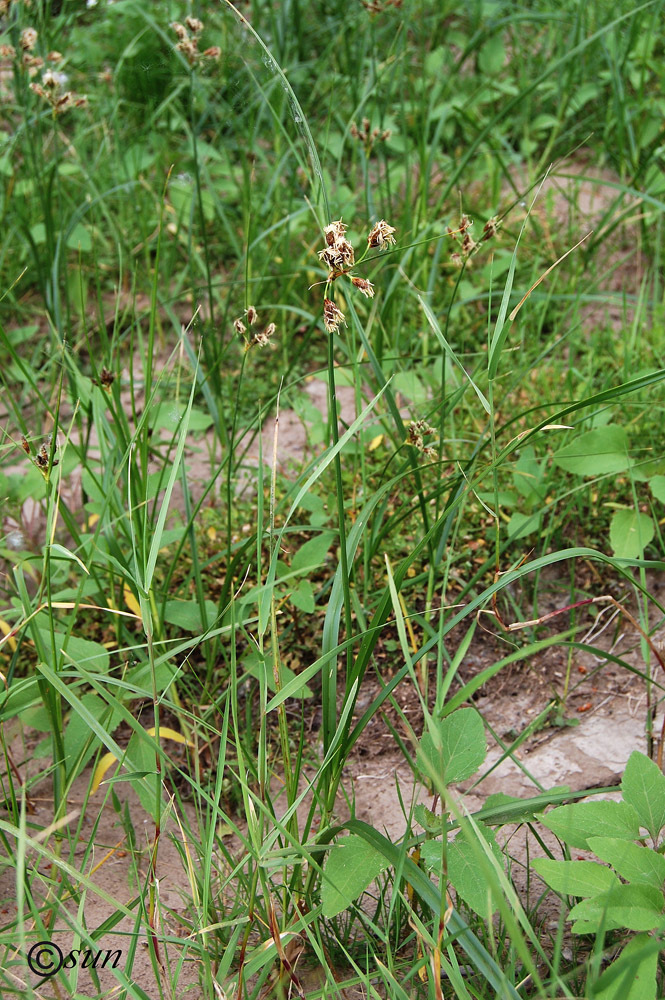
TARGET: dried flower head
(214,52)
(7,52)
(189,50)
(263,339)
(54,56)
(28,39)
(338,252)
(334,232)
(416,431)
(367,135)
(42,458)
(490,228)
(106,379)
(456,259)
(332,316)
(239,327)
(252,315)
(180,30)
(194,24)
(381,235)
(366,287)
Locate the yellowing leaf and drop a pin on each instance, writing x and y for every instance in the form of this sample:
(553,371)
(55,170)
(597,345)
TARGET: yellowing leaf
(6,630)
(131,602)
(105,763)
(375,442)
(170,734)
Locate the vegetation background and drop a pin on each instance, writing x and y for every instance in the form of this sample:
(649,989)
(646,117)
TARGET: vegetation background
(449,217)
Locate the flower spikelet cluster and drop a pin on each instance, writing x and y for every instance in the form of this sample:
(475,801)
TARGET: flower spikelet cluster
(262,337)
(188,41)
(332,316)
(381,235)
(466,244)
(416,433)
(51,89)
(369,136)
(338,256)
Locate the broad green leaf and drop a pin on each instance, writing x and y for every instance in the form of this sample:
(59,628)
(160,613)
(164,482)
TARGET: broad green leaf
(91,655)
(79,238)
(303,597)
(632,976)
(38,233)
(527,476)
(521,525)
(596,453)
(630,533)
(455,750)
(187,615)
(575,878)
(657,484)
(410,386)
(634,863)
(312,555)
(78,732)
(575,823)
(352,864)
(492,55)
(643,787)
(466,873)
(297,683)
(635,907)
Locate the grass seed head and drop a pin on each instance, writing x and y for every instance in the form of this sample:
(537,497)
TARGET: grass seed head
(381,235)
(28,39)
(332,316)
(366,287)
(263,339)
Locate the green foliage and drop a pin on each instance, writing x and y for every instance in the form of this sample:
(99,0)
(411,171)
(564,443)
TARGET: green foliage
(607,903)
(241,607)
(453,749)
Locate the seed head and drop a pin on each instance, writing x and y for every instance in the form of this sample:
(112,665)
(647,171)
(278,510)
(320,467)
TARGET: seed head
(239,326)
(252,315)
(214,52)
(32,63)
(7,52)
(490,228)
(381,235)
(28,39)
(332,316)
(338,252)
(332,258)
(263,339)
(194,24)
(180,30)
(334,232)
(366,287)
